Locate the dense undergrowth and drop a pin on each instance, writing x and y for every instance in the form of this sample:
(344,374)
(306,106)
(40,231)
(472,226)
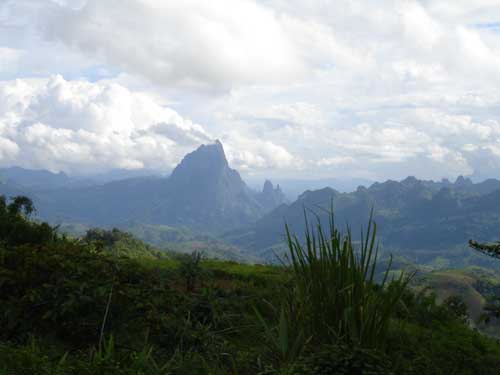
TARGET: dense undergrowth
(74,307)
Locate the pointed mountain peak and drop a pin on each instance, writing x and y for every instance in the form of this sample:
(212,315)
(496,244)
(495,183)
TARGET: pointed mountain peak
(268,187)
(271,197)
(461,181)
(410,180)
(214,150)
(206,159)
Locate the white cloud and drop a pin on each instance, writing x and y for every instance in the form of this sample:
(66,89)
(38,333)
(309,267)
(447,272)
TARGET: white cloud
(335,161)
(251,155)
(82,127)
(78,127)
(321,87)
(9,58)
(191,43)
(8,149)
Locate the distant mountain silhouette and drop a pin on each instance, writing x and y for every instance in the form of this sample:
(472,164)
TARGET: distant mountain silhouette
(271,197)
(411,214)
(9,189)
(202,193)
(34,179)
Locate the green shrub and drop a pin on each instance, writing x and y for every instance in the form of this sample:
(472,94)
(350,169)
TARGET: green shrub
(339,359)
(17,229)
(190,269)
(335,289)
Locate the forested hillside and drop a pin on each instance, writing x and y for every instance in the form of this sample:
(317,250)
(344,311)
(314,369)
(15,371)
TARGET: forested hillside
(81,306)
(422,220)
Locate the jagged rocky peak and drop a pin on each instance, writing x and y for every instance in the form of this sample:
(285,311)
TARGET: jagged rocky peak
(410,181)
(268,187)
(270,190)
(271,197)
(211,154)
(206,159)
(462,181)
(204,191)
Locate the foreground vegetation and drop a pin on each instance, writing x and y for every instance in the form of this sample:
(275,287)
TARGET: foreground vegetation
(79,306)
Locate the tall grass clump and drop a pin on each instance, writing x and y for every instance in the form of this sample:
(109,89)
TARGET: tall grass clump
(334,286)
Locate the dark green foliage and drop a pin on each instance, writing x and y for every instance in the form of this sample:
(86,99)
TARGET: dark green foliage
(16,229)
(457,307)
(492,310)
(492,249)
(445,347)
(190,269)
(334,284)
(348,360)
(56,296)
(121,243)
(63,290)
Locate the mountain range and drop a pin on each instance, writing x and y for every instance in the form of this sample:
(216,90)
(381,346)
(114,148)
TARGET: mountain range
(421,219)
(418,218)
(203,193)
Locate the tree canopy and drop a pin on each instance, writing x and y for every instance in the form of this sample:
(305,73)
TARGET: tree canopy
(15,226)
(491,249)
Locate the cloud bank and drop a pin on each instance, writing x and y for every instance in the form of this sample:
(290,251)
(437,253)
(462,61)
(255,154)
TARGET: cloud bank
(77,126)
(293,88)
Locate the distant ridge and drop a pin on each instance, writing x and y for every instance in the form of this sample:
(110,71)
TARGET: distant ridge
(417,216)
(203,193)
(30,178)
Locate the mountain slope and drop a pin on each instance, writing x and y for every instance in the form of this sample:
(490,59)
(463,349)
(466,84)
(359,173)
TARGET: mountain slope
(411,215)
(203,193)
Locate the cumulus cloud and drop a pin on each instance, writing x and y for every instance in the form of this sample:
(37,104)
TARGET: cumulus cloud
(78,126)
(82,127)
(250,155)
(319,88)
(192,43)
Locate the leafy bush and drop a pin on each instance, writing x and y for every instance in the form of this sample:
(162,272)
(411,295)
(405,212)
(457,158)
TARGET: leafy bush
(339,359)
(190,269)
(16,229)
(121,243)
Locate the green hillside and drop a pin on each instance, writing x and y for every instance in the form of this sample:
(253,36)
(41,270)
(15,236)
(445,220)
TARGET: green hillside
(96,306)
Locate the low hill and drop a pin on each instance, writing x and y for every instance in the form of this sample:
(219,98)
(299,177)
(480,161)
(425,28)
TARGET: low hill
(166,239)
(119,243)
(473,284)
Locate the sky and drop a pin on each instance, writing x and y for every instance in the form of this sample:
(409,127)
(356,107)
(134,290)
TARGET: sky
(298,89)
